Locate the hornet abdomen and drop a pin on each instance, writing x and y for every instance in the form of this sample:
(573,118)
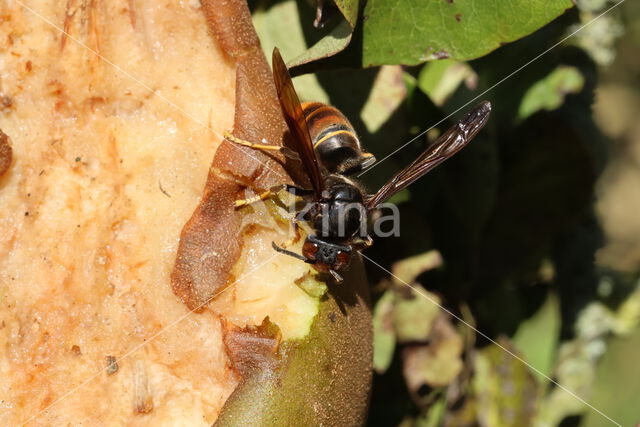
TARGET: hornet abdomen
(334,140)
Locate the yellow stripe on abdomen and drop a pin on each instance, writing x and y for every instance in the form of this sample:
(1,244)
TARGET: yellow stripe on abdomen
(332,134)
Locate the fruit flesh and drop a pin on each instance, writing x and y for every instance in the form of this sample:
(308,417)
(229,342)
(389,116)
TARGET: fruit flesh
(103,177)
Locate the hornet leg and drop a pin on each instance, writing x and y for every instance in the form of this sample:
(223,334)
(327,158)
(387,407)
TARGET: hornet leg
(338,278)
(263,147)
(296,230)
(271,193)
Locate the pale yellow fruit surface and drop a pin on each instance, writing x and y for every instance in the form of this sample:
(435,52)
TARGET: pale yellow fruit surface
(113,128)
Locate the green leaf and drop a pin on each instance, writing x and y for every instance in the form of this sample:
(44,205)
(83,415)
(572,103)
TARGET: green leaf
(580,369)
(618,370)
(433,417)
(386,96)
(410,32)
(287,25)
(414,313)
(336,41)
(439,79)
(279,26)
(437,363)
(349,9)
(384,336)
(409,269)
(575,370)
(548,93)
(628,314)
(506,391)
(538,336)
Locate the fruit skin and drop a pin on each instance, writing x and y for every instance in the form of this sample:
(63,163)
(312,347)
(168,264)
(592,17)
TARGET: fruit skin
(215,226)
(323,379)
